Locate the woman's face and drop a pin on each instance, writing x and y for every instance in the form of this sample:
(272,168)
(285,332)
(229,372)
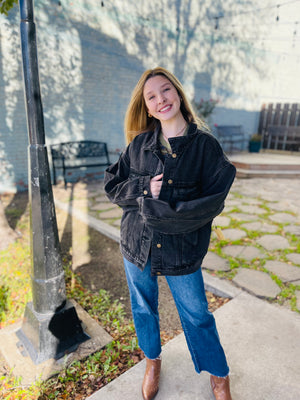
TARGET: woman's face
(161,98)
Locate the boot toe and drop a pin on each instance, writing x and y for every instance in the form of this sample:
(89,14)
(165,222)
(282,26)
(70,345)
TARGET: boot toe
(220,387)
(151,379)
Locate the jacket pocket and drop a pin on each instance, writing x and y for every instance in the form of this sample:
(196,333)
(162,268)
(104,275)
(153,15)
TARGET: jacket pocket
(133,173)
(195,244)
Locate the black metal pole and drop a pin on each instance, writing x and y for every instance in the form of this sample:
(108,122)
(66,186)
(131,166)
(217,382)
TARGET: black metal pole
(50,326)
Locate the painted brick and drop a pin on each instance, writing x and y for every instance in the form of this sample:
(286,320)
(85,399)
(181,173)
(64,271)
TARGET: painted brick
(90,58)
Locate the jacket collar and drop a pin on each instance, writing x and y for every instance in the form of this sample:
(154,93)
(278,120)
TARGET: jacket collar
(176,143)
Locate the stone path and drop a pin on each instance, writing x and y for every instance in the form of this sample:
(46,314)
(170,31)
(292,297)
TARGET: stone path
(259,246)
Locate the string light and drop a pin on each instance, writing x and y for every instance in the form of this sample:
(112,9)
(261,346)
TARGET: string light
(230,15)
(217,22)
(295,33)
(231,35)
(255,11)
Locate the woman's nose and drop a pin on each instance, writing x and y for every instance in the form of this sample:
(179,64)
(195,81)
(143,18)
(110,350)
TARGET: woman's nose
(161,98)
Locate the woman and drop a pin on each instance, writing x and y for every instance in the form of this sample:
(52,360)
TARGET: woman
(171,181)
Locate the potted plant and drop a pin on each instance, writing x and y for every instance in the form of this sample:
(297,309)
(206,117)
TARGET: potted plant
(255,143)
(205,108)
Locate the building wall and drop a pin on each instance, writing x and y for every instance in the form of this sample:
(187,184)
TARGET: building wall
(91,54)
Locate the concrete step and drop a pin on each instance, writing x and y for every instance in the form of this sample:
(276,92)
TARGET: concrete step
(260,165)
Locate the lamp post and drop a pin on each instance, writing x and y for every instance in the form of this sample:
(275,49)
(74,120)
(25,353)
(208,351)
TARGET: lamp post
(50,326)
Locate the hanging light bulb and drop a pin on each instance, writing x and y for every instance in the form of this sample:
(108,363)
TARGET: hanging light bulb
(217,22)
(277,18)
(295,33)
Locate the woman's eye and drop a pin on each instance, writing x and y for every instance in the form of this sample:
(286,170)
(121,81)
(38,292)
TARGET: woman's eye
(150,98)
(166,89)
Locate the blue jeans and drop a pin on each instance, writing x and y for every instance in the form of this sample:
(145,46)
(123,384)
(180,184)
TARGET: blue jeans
(197,322)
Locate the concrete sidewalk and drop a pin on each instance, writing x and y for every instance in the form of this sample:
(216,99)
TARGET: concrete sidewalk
(261,224)
(258,224)
(261,342)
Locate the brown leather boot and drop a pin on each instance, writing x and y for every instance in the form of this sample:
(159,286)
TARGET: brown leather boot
(220,387)
(151,378)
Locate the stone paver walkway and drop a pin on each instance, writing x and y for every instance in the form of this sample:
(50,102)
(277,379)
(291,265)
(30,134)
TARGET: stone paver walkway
(260,241)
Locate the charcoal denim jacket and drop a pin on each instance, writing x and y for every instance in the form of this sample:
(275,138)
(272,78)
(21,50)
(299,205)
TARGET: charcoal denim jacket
(174,230)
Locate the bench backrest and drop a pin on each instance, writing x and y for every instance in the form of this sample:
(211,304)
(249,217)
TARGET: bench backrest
(79,149)
(292,132)
(278,114)
(282,137)
(229,130)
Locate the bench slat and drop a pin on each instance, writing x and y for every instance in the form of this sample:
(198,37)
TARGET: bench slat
(233,136)
(78,154)
(286,137)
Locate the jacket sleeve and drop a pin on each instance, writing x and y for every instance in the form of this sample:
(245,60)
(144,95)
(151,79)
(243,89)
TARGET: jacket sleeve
(218,175)
(121,188)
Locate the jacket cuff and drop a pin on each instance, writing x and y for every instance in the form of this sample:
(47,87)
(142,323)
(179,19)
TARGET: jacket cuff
(144,186)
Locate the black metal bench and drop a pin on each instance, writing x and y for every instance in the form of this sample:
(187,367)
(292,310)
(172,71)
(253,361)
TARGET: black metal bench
(232,138)
(282,138)
(80,154)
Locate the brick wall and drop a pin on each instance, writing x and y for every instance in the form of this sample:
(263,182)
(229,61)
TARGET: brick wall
(92,53)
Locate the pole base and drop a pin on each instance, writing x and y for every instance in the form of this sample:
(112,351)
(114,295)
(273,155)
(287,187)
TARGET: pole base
(51,335)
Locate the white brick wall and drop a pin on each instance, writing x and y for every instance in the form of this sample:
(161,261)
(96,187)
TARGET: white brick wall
(90,58)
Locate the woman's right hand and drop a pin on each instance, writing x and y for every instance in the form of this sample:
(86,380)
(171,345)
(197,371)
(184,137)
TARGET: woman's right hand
(155,185)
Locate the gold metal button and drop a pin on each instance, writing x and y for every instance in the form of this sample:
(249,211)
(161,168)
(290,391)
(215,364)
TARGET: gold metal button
(145,192)
(174,155)
(170,181)
(158,245)
(158,273)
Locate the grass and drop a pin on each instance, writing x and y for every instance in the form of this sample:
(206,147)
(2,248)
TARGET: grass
(15,288)
(81,378)
(287,296)
(11,388)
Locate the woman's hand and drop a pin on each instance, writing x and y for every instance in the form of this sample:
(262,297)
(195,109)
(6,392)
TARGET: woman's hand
(155,185)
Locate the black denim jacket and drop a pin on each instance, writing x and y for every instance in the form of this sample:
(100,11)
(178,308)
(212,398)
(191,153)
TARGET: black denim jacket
(175,228)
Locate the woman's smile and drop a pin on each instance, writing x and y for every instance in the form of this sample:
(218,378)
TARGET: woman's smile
(161,98)
(166,108)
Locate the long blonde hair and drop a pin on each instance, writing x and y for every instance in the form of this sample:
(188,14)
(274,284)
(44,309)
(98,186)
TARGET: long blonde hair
(137,120)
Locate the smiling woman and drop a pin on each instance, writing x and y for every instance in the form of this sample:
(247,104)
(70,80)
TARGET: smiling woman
(171,181)
(163,102)
(157,92)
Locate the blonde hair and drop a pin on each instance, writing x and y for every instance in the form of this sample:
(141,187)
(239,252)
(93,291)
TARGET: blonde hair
(137,120)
